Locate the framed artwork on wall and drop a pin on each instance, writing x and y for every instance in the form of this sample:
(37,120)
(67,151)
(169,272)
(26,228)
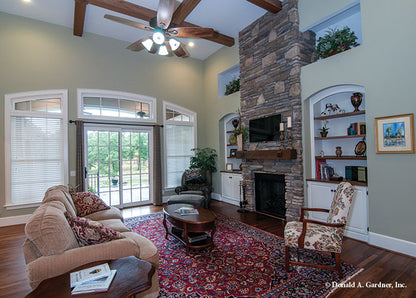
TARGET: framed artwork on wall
(229,166)
(233,152)
(395,134)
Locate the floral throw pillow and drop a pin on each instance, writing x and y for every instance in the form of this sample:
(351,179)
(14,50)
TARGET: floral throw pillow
(87,203)
(90,232)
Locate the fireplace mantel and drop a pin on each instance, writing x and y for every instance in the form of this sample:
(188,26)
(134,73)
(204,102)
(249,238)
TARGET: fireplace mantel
(268,154)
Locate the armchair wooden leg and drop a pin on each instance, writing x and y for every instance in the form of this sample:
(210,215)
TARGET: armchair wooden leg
(287,258)
(338,264)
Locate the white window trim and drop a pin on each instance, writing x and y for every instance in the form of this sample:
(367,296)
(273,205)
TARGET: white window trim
(193,123)
(81,92)
(8,111)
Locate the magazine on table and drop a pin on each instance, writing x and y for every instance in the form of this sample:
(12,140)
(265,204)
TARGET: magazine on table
(95,286)
(186,211)
(81,276)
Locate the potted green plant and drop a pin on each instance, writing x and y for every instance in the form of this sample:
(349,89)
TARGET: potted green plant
(204,159)
(232,86)
(335,41)
(324,129)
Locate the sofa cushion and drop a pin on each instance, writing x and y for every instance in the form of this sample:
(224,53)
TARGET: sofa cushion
(90,232)
(49,230)
(60,193)
(87,203)
(115,224)
(112,213)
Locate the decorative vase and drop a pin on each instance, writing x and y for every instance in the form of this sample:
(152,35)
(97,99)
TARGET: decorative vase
(324,134)
(235,123)
(356,100)
(338,152)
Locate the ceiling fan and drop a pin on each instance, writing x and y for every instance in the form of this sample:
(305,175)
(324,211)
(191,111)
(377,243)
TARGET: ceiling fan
(163,39)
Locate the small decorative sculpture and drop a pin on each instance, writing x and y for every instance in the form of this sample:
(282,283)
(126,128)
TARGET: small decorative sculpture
(337,109)
(338,152)
(328,110)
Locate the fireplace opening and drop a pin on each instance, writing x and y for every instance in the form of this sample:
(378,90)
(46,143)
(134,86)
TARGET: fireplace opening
(270,194)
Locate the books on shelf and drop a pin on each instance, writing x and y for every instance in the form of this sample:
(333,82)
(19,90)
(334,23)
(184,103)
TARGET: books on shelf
(95,286)
(357,128)
(186,211)
(323,170)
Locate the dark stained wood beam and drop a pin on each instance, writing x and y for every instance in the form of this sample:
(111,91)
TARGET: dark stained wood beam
(79,17)
(126,8)
(273,6)
(183,10)
(142,13)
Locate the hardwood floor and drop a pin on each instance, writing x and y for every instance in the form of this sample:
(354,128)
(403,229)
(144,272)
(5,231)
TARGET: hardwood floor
(381,267)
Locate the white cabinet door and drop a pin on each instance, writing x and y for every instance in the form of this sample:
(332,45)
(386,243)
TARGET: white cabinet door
(320,195)
(231,188)
(358,223)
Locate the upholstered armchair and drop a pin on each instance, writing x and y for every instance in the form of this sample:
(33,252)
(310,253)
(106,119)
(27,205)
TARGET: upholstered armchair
(321,236)
(196,181)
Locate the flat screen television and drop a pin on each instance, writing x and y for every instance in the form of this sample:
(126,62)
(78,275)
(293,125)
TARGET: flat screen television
(264,129)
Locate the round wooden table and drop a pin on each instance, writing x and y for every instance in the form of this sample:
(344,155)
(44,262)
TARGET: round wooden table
(190,224)
(133,276)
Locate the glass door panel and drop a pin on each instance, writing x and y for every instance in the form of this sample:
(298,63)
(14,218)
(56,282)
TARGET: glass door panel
(118,165)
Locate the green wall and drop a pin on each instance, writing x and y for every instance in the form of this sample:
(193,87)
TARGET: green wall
(215,108)
(384,64)
(37,55)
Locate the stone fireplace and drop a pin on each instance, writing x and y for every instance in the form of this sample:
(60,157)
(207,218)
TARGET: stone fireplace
(272,51)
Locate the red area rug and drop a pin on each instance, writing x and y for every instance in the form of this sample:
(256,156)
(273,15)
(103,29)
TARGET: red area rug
(245,262)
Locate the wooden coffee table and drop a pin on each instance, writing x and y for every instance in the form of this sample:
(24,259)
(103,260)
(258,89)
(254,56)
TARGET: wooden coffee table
(204,222)
(133,276)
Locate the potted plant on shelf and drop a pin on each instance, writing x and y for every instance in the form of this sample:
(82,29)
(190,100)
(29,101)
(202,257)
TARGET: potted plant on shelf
(335,41)
(232,86)
(324,129)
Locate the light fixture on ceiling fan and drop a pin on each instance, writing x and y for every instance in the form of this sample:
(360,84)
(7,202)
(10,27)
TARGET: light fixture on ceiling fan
(163,39)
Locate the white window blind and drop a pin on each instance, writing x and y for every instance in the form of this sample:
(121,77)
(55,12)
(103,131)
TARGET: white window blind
(180,139)
(36,154)
(179,142)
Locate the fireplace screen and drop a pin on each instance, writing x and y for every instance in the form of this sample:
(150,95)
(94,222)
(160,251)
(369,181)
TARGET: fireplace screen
(270,194)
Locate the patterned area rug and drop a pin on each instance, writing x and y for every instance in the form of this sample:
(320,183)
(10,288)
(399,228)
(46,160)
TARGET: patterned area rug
(245,262)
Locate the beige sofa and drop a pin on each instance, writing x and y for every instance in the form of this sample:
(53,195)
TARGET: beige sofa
(52,249)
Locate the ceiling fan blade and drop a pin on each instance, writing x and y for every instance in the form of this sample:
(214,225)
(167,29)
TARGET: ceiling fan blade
(179,52)
(137,45)
(128,22)
(192,32)
(165,12)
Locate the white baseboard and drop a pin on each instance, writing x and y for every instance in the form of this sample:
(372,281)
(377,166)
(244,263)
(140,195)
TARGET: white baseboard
(394,244)
(14,220)
(216,196)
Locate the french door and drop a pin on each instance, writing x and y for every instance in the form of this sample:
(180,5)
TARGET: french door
(118,164)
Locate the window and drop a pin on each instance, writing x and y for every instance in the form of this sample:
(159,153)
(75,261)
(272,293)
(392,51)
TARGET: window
(106,104)
(180,138)
(35,145)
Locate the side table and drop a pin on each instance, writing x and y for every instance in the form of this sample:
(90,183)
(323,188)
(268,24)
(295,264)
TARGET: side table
(133,276)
